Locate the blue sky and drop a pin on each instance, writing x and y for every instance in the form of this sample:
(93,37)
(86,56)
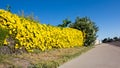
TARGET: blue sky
(105,13)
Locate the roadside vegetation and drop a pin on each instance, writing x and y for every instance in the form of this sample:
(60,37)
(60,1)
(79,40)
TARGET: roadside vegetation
(47,59)
(26,43)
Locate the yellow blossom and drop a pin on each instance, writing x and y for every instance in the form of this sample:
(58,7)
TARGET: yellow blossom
(31,35)
(5,42)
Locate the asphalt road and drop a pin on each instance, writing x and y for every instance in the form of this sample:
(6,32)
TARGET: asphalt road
(102,56)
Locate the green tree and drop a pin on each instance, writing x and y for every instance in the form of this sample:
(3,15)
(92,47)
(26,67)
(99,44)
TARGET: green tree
(65,23)
(86,25)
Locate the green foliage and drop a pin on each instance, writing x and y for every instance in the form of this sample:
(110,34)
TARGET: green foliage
(86,25)
(65,23)
(3,34)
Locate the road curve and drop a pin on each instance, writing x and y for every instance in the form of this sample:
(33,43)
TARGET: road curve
(102,56)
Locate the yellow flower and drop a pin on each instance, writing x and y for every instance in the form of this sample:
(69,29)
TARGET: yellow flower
(16,46)
(32,35)
(10,32)
(5,42)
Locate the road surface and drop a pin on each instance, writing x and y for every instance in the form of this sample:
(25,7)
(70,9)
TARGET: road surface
(102,56)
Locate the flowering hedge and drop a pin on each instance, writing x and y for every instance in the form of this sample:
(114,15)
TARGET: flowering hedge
(31,35)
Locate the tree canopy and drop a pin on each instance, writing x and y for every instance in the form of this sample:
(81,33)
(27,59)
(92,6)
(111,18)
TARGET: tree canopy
(89,27)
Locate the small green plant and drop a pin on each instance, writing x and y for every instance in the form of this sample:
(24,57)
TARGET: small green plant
(8,8)
(3,34)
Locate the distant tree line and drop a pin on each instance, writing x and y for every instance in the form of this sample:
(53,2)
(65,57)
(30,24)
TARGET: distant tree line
(106,40)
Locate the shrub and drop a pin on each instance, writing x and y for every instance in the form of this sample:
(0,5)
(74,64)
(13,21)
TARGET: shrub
(30,35)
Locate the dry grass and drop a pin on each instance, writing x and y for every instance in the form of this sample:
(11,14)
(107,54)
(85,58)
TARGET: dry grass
(47,59)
